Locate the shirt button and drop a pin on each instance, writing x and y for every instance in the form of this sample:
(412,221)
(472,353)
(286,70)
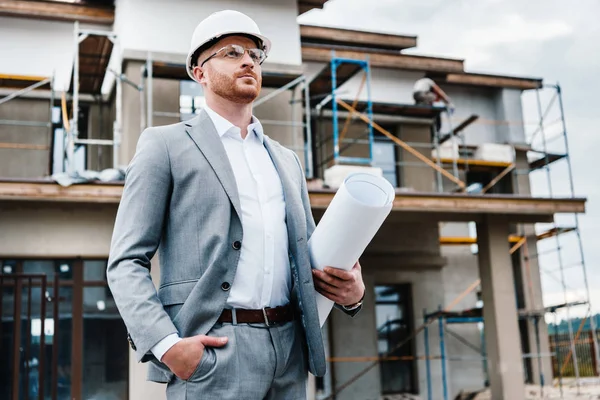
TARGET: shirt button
(225,286)
(237,245)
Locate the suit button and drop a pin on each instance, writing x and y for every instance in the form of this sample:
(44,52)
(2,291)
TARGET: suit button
(237,245)
(130,340)
(225,286)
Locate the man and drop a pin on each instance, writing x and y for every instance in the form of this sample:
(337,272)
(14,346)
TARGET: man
(426,92)
(235,314)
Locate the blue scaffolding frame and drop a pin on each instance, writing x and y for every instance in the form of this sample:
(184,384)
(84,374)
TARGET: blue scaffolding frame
(364,64)
(450,320)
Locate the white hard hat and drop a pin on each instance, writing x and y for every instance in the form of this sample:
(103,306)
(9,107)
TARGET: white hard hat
(218,24)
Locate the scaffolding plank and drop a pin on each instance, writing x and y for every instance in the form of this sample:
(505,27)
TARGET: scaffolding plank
(545,159)
(320,86)
(12,81)
(94,55)
(475,164)
(555,231)
(466,240)
(459,128)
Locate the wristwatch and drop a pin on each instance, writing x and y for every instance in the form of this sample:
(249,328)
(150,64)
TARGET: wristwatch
(354,306)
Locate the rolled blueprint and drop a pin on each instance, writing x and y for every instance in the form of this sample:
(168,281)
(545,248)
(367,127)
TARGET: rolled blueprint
(354,215)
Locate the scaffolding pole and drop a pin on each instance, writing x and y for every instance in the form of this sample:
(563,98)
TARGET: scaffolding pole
(72,128)
(577,230)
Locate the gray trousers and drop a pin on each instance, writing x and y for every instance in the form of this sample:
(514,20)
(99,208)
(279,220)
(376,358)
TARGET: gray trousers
(258,362)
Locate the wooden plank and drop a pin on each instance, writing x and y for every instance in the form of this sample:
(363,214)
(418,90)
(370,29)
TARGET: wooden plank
(58,11)
(463,162)
(307,5)
(462,241)
(471,204)
(467,241)
(94,55)
(24,146)
(89,193)
(321,84)
(494,81)
(459,128)
(447,203)
(12,81)
(542,161)
(346,37)
(393,61)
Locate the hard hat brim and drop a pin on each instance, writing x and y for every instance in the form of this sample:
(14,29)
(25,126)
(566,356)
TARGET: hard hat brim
(188,62)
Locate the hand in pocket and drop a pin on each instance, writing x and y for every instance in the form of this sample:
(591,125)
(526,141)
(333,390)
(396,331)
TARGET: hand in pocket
(185,356)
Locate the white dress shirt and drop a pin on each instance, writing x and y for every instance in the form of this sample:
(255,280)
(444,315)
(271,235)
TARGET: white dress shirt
(263,275)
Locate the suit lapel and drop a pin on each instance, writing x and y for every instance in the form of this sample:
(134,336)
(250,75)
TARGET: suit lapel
(202,131)
(289,189)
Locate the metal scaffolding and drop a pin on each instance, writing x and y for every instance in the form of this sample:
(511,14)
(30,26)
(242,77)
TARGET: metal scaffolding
(280,81)
(92,51)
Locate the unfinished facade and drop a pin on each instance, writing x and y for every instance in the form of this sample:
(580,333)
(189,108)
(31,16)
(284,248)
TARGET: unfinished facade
(320,85)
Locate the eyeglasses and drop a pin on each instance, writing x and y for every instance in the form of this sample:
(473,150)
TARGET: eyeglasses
(235,51)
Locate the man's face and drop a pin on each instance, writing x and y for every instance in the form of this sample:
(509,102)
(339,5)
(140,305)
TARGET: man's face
(237,80)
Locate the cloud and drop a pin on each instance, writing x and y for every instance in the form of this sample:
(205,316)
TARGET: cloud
(510,29)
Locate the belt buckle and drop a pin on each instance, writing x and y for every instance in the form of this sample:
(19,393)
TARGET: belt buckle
(264,311)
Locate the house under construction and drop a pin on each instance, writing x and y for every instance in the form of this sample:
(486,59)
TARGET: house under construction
(454,277)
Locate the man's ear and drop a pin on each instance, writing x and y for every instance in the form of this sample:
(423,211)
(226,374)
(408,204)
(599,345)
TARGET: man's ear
(199,74)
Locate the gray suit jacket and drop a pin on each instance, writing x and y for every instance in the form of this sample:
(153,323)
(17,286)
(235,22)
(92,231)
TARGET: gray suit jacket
(180,197)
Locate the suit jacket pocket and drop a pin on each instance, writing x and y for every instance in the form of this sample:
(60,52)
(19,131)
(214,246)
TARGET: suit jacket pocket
(173,295)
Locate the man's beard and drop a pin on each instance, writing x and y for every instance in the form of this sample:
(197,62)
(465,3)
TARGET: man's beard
(231,89)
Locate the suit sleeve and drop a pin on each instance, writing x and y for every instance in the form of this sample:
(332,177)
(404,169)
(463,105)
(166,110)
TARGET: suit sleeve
(310,226)
(136,236)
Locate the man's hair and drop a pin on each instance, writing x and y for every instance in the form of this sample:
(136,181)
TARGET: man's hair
(211,43)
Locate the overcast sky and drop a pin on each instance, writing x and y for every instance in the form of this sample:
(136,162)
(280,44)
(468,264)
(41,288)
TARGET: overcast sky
(555,40)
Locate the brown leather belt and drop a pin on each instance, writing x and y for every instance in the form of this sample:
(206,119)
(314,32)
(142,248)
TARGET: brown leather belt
(267,316)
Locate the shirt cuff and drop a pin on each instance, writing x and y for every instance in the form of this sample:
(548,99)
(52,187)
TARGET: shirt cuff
(164,345)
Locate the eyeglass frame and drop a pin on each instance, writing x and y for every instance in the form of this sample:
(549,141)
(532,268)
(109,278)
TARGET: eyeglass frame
(233,44)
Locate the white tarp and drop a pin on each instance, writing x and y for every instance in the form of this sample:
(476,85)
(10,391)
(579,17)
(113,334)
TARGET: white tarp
(355,214)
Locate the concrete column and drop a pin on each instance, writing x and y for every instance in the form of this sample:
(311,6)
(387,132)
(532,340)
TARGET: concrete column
(419,176)
(503,347)
(532,284)
(356,337)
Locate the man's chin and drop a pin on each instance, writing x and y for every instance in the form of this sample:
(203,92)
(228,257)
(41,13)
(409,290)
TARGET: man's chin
(247,93)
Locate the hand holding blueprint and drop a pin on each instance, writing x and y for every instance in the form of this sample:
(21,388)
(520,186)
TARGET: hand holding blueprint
(355,214)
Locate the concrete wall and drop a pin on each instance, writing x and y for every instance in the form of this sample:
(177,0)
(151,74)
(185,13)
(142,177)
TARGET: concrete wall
(158,26)
(39,48)
(61,230)
(25,163)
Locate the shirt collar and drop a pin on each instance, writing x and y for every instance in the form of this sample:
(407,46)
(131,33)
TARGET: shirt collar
(222,125)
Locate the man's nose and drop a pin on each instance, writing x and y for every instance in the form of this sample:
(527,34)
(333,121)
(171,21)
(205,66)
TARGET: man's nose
(247,60)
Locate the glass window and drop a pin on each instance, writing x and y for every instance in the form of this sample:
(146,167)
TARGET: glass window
(384,157)
(94,270)
(105,349)
(191,99)
(393,313)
